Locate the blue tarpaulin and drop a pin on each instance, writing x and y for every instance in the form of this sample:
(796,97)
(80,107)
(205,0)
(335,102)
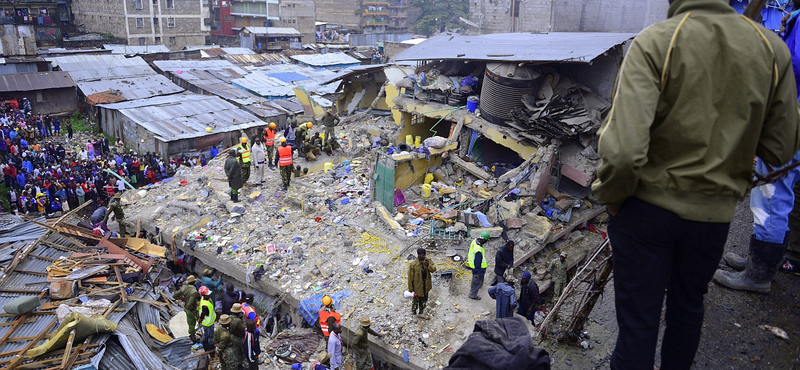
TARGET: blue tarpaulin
(309,307)
(772,13)
(294,76)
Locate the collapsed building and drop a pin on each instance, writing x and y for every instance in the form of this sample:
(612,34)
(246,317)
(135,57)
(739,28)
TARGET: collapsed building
(474,135)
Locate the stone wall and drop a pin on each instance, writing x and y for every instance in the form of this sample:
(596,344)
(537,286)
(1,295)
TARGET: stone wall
(341,12)
(498,16)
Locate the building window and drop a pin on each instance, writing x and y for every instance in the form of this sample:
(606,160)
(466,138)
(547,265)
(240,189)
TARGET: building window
(142,41)
(155,2)
(137,4)
(170,4)
(172,41)
(42,11)
(171,22)
(139,22)
(158,40)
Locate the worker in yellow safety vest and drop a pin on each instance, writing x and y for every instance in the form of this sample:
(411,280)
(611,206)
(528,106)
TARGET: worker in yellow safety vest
(284,161)
(244,159)
(207,317)
(269,142)
(476,260)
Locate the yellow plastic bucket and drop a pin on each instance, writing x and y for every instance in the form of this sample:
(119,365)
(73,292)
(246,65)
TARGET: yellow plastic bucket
(426,190)
(410,140)
(328,166)
(418,141)
(428,178)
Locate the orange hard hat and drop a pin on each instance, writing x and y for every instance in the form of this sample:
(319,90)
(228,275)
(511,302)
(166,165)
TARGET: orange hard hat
(272,125)
(244,140)
(327,300)
(309,124)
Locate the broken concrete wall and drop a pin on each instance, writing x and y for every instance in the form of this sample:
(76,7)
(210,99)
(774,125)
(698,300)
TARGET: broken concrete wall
(413,172)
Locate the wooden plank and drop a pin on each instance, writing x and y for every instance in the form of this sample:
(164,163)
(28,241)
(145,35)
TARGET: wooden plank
(138,226)
(19,256)
(31,272)
(19,356)
(27,321)
(122,292)
(157,303)
(471,168)
(67,350)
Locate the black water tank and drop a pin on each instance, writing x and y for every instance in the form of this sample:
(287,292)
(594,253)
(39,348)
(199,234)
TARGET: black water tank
(503,87)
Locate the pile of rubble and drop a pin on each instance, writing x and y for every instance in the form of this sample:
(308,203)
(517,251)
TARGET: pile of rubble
(72,298)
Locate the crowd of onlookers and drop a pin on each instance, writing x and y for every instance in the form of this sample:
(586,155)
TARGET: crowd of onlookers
(46,170)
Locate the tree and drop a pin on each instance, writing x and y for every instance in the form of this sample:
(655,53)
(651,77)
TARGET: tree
(439,14)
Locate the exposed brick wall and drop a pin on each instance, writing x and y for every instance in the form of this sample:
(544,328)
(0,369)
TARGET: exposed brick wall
(343,12)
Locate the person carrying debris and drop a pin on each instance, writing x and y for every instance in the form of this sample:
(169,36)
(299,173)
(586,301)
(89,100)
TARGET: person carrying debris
(677,149)
(476,260)
(244,159)
(284,161)
(328,315)
(529,298)
(419,282)
(188,293)
(330,120)
(230,352)
(260,159)
(335,347)
(506,298)
(119,213)
(233,170)
(363,358)
(207,317)
(208,281)
(503,259)
(558,272)
(269,142)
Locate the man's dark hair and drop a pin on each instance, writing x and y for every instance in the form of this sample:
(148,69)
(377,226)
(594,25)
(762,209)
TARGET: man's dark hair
(421,251)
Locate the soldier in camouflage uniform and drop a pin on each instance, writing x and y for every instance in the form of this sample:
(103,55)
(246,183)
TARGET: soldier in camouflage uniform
(190,296)
(119,213)
(230,352)
(558,270)
(237,327)
(284,161)
(360,346)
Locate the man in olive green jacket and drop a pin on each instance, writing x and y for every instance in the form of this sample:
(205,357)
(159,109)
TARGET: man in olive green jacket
(419,282)
(697,97)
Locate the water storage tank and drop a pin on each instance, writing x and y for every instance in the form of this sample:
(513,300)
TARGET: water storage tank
(503,87)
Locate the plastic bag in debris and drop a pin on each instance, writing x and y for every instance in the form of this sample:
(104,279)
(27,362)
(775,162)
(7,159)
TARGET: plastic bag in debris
(436,142)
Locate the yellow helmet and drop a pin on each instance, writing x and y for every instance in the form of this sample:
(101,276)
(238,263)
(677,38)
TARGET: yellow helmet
(282,140)
(309,124)
(327,300)
(244,140)
(272,125)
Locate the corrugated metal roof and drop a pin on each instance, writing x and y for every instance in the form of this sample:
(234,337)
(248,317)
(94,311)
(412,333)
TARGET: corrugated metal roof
(263,82)
(35,81)
(291,105)
(242,51)
(132,87)
(325,60)
(516,47)
(178,349)
(185,116)
(257,59)
(273,31)
(188,65)
(96,66)
(133,344)
(115,358)
(355,71)
(135,49)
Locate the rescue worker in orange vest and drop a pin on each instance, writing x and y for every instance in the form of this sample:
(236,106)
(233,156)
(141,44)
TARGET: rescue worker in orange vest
(328,315)
(284,161)
(249,311)
(269,142)
(244,159)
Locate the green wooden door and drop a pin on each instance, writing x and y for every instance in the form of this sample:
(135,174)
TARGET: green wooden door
(383,181)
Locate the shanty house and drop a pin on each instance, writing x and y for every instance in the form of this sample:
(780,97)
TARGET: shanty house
(270,38)
(178,124)
(48,92)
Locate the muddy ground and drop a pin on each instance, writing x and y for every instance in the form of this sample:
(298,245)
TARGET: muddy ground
(731,336)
